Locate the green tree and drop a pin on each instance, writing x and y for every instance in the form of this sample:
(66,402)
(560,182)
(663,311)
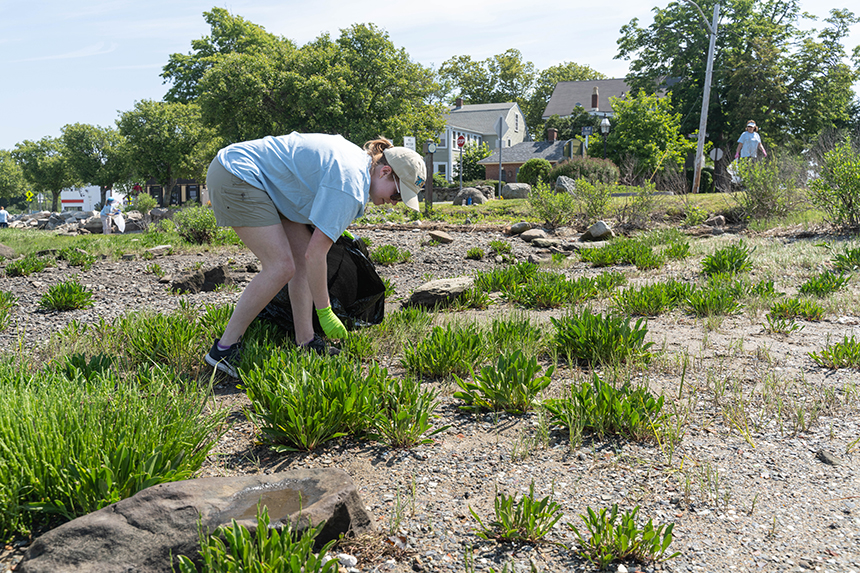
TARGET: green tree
(12,182)
(472,154)
(44,166)
(544,86)
(229,34)
(167,141)
(570,127)
(793,82)
(94,155)
(360,86)
(645,132)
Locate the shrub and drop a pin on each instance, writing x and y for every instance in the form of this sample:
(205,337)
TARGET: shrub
(143,202)
(554,209)
(534,170)
(196,225)
(836,192)
(591,169)
(769,188)
(592,199)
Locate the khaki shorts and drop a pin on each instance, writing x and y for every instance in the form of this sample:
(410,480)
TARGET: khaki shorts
(236,203)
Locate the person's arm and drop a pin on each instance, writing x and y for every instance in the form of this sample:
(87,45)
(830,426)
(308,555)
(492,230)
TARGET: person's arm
(761,148)
(317,273)
(738,150)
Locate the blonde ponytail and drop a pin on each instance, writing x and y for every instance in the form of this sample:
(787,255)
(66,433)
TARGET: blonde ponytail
(374,148)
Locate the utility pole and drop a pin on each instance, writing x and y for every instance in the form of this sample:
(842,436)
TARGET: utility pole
(706,96)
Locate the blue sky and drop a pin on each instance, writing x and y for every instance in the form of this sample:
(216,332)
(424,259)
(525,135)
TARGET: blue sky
(86,61)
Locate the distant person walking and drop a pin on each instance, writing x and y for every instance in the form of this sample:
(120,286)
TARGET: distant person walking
(4,218)
(108,212)
(271,191)
(749,143)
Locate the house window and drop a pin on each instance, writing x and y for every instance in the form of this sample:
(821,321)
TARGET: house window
(516,122)
(443,140)
(509,143)
(442,168)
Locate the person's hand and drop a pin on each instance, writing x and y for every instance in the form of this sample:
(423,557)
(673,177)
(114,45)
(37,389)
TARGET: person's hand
(737,154)
(763,152)
(332,326)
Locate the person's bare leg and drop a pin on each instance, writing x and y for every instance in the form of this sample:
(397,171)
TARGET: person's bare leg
(301,300)
(270,245)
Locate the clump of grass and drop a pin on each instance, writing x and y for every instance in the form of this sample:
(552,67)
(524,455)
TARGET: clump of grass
(599,408)
(505,278)
(845,354)
(389,255)
(623,252)
(597,339)
(551,290)
(824,284)
(76,257)
(732,259)
(527,520)
(512,384)
(797,308)
(653,299)
(453,350)
(67,295)
(609,541)
(475,253)
(27,265)
(847,261)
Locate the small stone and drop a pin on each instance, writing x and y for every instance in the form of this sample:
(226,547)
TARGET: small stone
(828,458)
(622,569)
(347,560)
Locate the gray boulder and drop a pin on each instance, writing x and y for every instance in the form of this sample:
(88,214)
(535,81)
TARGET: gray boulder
(520,227)
(200,280)
(469,193)
(516,191)
(440,237)
(440,291)
(143,532)
(532,234)
(599,231)
(565,185)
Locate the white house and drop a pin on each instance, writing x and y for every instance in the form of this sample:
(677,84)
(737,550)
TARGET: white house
(84,198)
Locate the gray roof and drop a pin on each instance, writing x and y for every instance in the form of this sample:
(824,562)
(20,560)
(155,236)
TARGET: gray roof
(477,118)
(567,95)
(522,152)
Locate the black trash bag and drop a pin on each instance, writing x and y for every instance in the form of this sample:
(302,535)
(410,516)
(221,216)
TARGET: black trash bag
(356,292)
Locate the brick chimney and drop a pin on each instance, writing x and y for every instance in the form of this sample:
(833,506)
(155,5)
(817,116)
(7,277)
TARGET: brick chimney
(552,134)
(459,103)
(595,99)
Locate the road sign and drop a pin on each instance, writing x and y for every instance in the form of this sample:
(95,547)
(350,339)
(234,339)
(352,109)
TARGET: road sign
(409,142)
(587,130)
(461,141)
(716,153)
(29,195)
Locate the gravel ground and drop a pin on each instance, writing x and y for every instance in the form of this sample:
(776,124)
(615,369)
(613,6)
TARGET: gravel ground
(778,501)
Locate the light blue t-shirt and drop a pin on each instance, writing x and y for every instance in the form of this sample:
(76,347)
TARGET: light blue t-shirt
(323,180)
(749,144)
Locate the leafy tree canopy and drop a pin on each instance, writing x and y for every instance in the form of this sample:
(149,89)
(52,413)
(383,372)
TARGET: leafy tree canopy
(230,34)
(793,82)
(645,133)
(167,141)
(94,155)
(12,182)
(44,166)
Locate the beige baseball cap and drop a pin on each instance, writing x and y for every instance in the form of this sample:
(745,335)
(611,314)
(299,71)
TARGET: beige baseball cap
(410,168)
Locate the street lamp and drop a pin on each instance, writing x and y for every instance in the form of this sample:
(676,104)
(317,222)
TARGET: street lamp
(604,129)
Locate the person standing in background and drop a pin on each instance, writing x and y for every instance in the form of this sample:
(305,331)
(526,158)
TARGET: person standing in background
(749,143)
(4,218)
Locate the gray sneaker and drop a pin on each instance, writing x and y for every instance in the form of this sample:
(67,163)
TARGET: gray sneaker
(227,361)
